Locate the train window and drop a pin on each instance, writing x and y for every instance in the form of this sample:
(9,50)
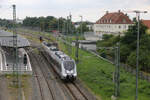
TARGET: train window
(48,44)
(55,49)
(69,65)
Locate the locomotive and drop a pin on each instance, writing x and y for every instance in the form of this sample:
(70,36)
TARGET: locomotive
(66,66)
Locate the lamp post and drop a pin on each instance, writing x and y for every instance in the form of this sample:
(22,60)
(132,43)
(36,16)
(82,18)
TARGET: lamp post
(58,24)
(81,23)
(137,50)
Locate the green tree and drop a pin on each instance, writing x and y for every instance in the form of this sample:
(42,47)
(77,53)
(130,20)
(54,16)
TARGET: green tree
(84,28)
(128,47)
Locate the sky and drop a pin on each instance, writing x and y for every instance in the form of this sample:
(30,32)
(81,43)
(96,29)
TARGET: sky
(91,10)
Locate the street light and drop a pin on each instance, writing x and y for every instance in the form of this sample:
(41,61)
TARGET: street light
(137,51)
(81,23)
(137,55)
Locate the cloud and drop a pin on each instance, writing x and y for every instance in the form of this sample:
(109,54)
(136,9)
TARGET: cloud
(90,9)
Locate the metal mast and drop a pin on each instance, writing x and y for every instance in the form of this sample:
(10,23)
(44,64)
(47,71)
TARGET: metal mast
(15,64)
(137,50)
(70,23)
(138,47)
(81,25)
(117,70)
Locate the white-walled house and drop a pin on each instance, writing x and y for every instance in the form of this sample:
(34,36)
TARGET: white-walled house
(112,23)
(89,25)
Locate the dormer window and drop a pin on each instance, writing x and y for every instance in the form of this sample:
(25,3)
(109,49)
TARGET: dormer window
(110,21)
(107,21)
(124,21)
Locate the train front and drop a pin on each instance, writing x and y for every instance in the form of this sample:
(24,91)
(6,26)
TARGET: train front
(69,70)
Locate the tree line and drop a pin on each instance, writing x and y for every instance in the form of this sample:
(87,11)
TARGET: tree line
(6,23)
(49,23)
(61,24)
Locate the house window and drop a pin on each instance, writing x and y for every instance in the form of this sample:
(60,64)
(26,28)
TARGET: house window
(124,26)
(107,21)
(119,26)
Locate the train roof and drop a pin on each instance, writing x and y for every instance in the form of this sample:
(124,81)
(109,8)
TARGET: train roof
(62,55)
(53,47)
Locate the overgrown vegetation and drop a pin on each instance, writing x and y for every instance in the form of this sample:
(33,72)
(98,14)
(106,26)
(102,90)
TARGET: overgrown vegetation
(98,76)
(128,46)
(6,23)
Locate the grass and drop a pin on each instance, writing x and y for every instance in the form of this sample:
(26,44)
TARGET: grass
(98,76)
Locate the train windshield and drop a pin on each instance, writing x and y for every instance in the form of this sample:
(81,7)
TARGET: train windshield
(69,65)
(55,49)
(48,44)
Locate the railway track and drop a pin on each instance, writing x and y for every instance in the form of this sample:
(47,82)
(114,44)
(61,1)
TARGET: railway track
(35,73)
(35,61)
(73,89)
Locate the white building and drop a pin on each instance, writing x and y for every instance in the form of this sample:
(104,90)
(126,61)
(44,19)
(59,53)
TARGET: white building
(19,20)
(89,25)
(112,23)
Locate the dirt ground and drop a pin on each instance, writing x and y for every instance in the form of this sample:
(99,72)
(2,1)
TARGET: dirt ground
(10,91)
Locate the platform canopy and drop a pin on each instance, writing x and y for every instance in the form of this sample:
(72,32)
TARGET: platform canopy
(6,39)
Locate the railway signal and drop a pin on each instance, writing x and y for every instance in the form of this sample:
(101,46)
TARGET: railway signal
(25,60)
(41,39)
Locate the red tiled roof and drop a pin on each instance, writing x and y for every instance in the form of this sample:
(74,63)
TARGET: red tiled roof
(114,18)
(146,23)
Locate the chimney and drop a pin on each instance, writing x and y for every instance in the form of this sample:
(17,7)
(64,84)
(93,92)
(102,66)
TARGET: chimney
(126,15)
(107,12)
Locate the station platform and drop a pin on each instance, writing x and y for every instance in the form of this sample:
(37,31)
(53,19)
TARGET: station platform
(7,61)
(6,39)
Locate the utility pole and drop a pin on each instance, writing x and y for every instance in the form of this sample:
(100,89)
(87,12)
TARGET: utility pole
(138,45)
(81,24)
(137,55)
(137,50)
(15,46)
(70,31)
(70,23)
(15,63)
(117,70)
(58,25)
(77,42)
(77,48)
(67,25)
(64,27)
